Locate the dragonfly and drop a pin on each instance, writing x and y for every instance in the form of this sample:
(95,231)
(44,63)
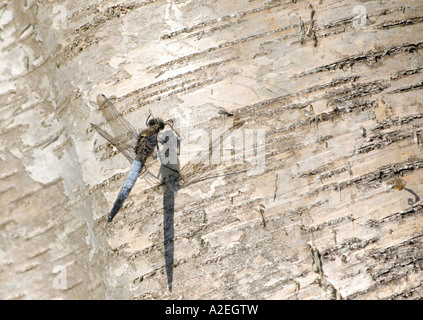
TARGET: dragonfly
(136,147)
(139,147)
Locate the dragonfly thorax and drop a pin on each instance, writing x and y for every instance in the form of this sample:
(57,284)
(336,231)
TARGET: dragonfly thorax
(147,139)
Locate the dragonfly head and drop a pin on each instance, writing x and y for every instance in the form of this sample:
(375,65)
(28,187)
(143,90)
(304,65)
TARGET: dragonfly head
(156,123)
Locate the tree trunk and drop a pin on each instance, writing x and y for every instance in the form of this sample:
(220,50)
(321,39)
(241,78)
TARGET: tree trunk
(333,213)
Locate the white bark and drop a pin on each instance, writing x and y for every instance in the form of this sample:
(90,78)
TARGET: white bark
(335,87)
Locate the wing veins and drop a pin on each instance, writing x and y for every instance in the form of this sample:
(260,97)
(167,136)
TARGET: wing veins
(125,149)
(196,161)
(119,125)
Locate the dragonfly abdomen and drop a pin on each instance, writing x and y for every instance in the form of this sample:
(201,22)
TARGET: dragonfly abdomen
(126,188)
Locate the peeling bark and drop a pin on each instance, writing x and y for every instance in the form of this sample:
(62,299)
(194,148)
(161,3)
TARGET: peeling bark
(335,213)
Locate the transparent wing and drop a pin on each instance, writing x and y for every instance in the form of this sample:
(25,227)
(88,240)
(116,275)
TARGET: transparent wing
(126,150)
(170,179)
(118,124)
(124,134)
(201,166)
(206,164)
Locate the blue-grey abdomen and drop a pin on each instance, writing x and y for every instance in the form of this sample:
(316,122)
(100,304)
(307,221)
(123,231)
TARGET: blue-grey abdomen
(126,188)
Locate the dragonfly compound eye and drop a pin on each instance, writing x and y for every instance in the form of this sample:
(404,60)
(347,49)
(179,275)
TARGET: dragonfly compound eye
(160,123)
(156,123)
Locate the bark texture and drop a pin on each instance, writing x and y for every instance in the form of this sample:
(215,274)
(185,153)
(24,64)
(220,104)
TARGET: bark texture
(336,86)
